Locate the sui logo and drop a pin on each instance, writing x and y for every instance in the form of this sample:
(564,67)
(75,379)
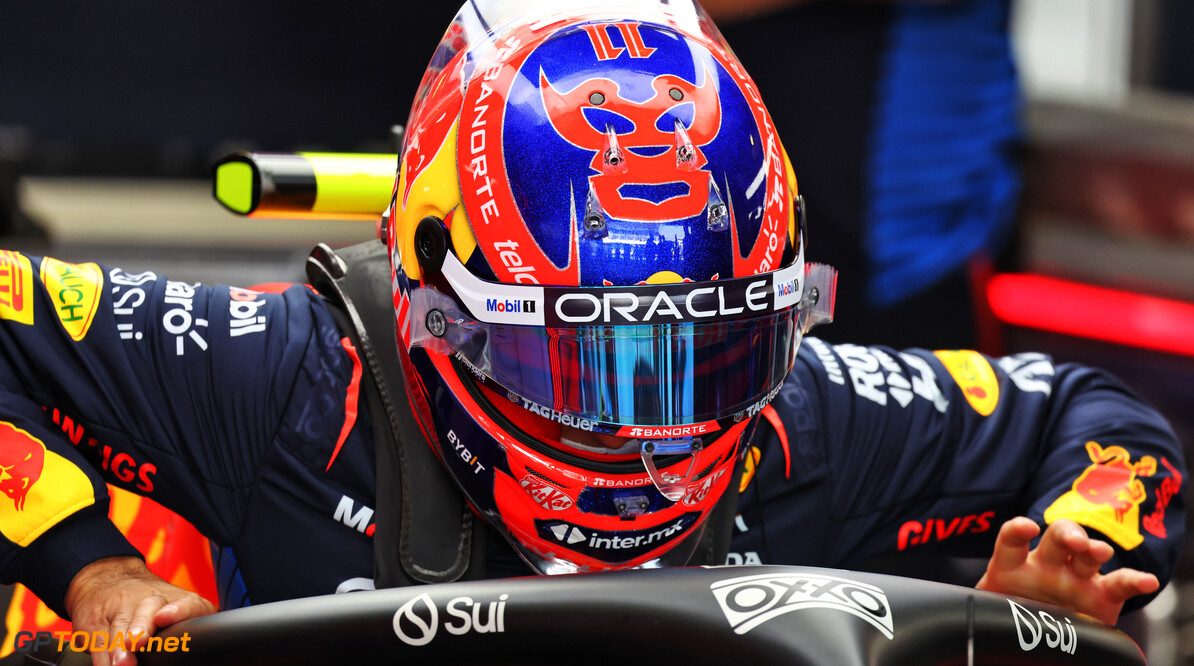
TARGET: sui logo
(1032,628)
(418,621)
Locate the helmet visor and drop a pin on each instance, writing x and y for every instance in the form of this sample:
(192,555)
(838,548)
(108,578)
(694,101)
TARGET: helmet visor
(619,359)
(666,374)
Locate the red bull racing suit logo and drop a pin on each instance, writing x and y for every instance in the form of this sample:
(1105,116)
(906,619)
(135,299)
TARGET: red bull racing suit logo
(23,459)
(43,486)
(1107,495)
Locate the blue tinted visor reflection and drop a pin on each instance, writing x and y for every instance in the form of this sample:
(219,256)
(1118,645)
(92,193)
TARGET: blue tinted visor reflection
(669,374)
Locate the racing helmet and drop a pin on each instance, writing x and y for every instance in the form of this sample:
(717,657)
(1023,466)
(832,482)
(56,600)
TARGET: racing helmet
(598,273)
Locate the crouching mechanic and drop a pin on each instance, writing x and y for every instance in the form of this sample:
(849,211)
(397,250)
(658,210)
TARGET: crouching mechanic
(595,267)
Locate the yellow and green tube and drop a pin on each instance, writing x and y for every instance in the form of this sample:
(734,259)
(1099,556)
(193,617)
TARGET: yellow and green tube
(332,186)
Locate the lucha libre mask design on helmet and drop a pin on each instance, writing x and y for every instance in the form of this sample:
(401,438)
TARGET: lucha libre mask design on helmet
(598,273)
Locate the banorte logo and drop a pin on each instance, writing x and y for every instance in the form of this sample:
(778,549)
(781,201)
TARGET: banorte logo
(1107,495)
(31,474)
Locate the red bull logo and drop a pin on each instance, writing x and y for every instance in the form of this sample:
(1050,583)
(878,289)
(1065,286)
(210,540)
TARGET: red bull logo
(1107,495)
(44,487)
(434,118)
(16,287)
(22,457)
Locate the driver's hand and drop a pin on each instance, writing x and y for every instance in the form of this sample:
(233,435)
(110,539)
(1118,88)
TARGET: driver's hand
(119,594)
(1063,569)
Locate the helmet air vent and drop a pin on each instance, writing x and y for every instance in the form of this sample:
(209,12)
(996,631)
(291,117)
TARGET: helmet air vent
(685,151)
(719,220)
(613,160)
(595,226)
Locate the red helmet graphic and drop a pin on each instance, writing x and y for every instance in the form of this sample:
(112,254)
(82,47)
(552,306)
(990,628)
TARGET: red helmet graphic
(611,164)
(598,273)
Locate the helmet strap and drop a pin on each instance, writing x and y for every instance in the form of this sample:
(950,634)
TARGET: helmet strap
(438,542)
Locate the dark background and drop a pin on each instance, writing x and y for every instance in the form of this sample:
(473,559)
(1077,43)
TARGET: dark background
(162,88)
(147,88)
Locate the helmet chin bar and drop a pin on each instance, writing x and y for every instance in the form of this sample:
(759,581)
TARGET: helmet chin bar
(671,486)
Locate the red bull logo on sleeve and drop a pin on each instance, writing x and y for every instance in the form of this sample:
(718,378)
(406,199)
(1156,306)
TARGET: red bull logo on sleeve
(75,291)
(16,287)
(44,487)
(1107,495)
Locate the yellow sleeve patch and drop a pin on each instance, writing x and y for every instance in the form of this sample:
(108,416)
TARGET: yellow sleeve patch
(41,488)
(1107,494)
(974,376)
(75,291)
(16,287)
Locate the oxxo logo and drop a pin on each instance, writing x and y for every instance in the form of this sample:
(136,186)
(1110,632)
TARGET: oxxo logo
(417,621)
(1031,628)
(749,601)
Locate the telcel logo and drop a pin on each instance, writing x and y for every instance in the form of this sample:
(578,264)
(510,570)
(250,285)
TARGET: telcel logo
(1031,628)
(749,601)
(416,622)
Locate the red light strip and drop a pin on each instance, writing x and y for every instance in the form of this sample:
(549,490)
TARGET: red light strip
(1097,313)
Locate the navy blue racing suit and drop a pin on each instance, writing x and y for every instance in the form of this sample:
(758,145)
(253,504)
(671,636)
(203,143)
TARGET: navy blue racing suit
(241,411)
